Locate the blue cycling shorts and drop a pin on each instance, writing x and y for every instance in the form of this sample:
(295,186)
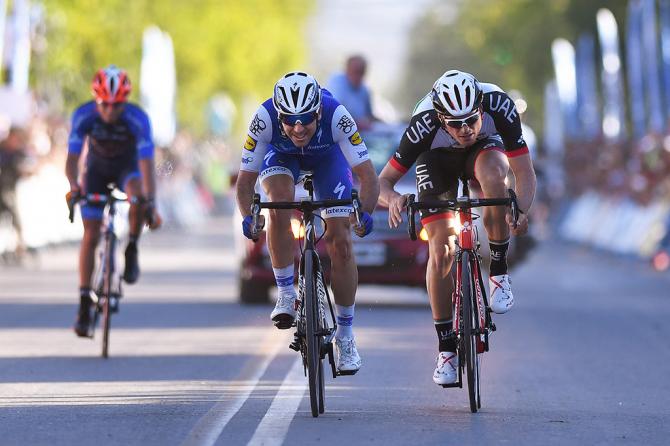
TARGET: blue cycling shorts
(330,170)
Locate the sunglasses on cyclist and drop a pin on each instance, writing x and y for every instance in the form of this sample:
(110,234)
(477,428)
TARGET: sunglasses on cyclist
(458,123)
(293,120)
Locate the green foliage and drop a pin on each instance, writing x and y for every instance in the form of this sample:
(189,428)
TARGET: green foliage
(220,45)
(503,42)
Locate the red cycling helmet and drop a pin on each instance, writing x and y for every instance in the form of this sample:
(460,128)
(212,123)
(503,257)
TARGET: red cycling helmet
(111,84)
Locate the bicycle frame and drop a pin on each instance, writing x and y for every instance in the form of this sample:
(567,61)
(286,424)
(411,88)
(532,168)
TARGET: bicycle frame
(314,334)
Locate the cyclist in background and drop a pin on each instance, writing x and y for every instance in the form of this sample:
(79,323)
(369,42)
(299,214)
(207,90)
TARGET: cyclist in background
(303,128)
(120,151)
(462,127)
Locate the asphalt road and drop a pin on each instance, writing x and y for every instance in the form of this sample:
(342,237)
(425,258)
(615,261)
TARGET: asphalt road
(582,359)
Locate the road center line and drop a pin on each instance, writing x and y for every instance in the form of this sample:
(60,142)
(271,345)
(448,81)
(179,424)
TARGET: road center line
(274,426)
(209,427)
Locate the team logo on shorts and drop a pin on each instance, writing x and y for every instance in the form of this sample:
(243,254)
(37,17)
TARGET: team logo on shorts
(250,144)
(356,139)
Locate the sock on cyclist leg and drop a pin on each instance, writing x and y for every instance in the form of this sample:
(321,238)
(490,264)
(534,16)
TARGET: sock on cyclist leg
(345,319)
(498,263)
(444,329)
(284,279)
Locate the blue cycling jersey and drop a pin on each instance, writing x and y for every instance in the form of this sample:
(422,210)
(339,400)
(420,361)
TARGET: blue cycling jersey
(336,129)
(129,135)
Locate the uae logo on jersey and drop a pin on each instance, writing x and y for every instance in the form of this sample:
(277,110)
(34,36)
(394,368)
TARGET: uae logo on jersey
(250,144)
(356,139)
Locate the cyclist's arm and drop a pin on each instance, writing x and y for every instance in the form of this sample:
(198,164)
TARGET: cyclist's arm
(367,177)
(148,177)
(387,180)
(244,190)
(72,169)
(80,125)
(524,175)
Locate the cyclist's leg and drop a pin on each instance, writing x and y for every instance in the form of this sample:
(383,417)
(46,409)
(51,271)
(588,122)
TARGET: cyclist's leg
(333,180)
(129,180)
(437,177)
(94,182)
(489,166)
(277,176)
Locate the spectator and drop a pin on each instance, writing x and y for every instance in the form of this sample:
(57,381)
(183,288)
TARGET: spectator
(348,88)
(12,167)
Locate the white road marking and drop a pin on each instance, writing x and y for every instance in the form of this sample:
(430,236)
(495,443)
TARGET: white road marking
(208,429)
(274,426)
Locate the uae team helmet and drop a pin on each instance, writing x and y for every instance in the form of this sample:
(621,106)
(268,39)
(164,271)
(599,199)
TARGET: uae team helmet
(296,93)
(456,94)
(111,85)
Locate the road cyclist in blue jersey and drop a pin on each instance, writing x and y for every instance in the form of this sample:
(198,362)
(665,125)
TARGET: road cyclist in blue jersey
(303,128)
(120,151)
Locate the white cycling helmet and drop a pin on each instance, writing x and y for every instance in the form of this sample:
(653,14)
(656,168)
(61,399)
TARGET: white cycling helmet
(456,94)
(296,93)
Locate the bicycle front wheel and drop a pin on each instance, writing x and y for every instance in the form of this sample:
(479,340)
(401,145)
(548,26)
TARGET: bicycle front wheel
(312,338)
(470,331)
(107,293)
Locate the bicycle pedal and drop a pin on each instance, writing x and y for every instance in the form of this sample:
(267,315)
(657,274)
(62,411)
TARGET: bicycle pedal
(346,372)
(294,346)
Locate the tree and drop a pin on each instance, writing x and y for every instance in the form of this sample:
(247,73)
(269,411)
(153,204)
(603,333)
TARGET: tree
(220,45)
(507,43)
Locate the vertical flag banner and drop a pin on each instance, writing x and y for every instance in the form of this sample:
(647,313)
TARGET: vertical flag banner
(651,68)
(613,106)
(634,69)
(3,16)
(588,110)
(563,55)
(20,59)
(664,14)
(158,84)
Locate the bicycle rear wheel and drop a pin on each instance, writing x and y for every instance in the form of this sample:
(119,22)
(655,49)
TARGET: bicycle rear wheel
(108,284)
(312,338)
(470,331)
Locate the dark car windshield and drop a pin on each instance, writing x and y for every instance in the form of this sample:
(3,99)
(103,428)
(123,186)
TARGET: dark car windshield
(382,140)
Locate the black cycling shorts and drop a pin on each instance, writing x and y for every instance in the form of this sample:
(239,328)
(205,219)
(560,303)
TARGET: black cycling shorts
(438,171)
(102,171)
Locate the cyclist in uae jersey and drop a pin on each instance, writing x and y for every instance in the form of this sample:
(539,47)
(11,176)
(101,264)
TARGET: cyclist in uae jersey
(120,151)
(303,128)
(461,128)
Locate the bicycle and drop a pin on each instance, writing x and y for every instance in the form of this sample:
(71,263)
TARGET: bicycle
(315,328)
(472,315)
(106,295)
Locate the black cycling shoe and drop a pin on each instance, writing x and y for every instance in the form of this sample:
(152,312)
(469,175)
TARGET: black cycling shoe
(132,270)
(83,325)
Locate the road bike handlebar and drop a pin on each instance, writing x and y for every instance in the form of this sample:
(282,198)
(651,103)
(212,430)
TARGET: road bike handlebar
(303,206)
(457,204)
(89,199)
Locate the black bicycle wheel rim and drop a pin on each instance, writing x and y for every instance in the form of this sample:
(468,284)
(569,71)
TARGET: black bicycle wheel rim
(106,313)
(469,337)
(311,337)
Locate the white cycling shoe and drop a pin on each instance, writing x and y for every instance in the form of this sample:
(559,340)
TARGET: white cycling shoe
(284,313)
(446,371)
(500,290)
(348,361)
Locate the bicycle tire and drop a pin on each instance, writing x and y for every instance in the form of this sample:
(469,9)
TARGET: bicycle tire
(106,311)
(312,339)
(469,331)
